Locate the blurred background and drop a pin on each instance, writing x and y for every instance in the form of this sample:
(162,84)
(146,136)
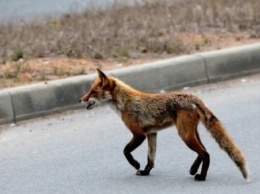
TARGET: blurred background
(52,39)
(13,10)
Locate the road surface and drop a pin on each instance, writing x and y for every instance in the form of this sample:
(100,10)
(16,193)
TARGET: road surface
(82,151)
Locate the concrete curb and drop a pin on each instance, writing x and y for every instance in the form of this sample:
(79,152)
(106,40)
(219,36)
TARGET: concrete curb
(230,63)
(36,100)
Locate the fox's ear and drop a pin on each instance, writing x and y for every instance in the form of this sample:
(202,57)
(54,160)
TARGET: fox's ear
(102,76)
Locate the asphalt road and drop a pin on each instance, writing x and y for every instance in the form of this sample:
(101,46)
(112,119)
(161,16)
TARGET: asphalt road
(82,151)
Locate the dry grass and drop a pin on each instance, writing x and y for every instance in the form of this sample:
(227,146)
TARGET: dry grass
(152,29)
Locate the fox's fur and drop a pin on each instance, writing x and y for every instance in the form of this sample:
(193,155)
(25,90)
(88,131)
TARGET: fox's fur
(145,114)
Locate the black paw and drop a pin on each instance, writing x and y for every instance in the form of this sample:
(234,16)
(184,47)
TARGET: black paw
(136,165)
(142,172)
(193,171)
(199,177)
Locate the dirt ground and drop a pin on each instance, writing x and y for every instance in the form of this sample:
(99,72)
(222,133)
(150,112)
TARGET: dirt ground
(44,69)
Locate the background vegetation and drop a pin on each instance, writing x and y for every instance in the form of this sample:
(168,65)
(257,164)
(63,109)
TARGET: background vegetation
(151,29)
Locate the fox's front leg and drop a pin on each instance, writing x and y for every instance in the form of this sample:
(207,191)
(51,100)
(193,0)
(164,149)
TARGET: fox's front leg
(151,154)
(131,146)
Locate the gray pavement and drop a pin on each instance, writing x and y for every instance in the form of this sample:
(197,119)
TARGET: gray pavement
(82,151)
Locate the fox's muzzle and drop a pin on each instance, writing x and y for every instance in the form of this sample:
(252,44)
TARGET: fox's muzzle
(89,104)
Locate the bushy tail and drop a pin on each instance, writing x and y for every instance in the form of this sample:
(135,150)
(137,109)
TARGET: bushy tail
(225,142)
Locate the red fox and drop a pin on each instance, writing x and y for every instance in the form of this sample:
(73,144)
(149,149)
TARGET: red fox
(145,114)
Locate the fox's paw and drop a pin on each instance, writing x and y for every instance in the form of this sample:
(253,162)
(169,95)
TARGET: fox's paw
(199,177)
(193,171)
(136,165)
(142,172)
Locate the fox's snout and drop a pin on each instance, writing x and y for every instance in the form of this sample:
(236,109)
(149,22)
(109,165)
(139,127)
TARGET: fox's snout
(82,101)
(89,103)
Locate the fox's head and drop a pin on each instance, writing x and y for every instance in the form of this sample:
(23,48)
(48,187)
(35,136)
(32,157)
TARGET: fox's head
(100,91)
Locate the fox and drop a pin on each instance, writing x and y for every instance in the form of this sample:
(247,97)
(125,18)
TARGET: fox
(145,114)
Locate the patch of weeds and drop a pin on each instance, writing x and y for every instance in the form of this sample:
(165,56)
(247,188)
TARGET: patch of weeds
(8,74)
(2,82)
(12,72)
(66,73)
(58,71)
(25,68)
(4,60)
(42,76)
(40,52)
(17,68)
(61,72)
(54,23)
(176,48)
(81,71)
(98,56)
(19,54)
(55,70)
(197,46)
(74,52)
(124,52)
(207,41)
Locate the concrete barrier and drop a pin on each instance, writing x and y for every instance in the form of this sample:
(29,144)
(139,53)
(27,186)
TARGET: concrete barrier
(6,108)
(167,74)
(41,99)
(233,62)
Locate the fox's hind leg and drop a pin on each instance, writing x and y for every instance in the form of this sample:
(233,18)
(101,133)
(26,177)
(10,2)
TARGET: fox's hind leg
(196,164)
(151,138)
(187,122)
